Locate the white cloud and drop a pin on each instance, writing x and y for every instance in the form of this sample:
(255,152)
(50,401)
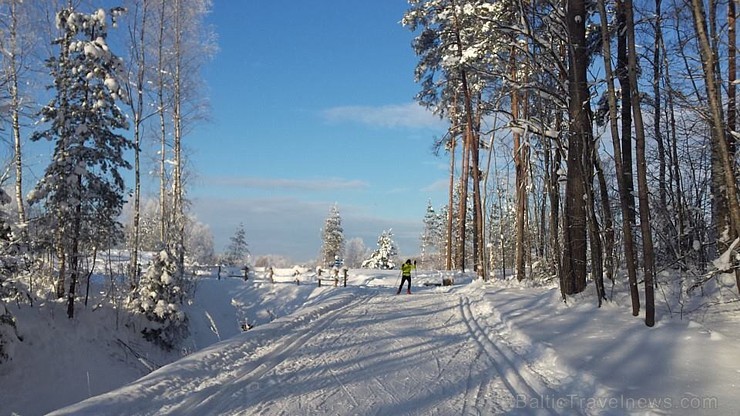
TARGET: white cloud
(320,184)
(409,115)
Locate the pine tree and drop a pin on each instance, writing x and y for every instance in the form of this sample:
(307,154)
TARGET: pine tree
(384,257)
(83,177)
(332,238)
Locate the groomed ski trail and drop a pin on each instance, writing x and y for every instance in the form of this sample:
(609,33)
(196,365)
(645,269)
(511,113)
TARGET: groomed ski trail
(363,352)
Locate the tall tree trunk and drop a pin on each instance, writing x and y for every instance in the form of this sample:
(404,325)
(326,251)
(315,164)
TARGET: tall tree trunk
(137,109)
(470,157)
(487,231)
(15,110)
(722,163)
(74,258)
(477,207)
(450,205)
(178,197)
(479,248)
(626,113)
(553,194)
(61,257)
(462,209)
(608,221)
(624,191)
(161,86)
(731,91)
(594,234)
(657,75)
(647,236)
(597,246)
(731,70)
(579,133)
(520,169)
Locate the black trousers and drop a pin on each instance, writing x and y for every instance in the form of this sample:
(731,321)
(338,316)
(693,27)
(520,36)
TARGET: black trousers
(405,279)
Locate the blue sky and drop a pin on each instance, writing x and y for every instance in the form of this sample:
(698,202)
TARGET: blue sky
(312,105)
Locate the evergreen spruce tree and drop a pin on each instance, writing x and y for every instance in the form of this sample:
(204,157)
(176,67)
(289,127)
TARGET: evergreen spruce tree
(332,238)
(83,177)
(9,267)
(384,257)
(158,298)
(238,252)
(432,239)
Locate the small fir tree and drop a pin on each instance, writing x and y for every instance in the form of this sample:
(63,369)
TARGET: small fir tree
(432,239)
(238,251)
(158,299)
(332,238)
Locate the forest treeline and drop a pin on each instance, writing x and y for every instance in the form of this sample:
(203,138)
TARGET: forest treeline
(585,139)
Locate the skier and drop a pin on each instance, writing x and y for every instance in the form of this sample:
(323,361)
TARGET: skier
(406,269)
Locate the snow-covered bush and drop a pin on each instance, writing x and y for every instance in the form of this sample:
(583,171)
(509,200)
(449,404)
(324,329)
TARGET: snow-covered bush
(158,299)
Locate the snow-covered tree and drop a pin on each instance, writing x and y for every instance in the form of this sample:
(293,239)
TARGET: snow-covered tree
(18,35)
(83,179)
(384,257)
(9,261)
(238,251)
(158,300)
(432,239)
(332,238)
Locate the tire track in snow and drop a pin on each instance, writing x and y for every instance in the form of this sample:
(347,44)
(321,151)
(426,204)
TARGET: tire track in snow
(513,369)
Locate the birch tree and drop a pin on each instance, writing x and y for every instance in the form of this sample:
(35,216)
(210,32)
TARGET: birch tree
(16,43)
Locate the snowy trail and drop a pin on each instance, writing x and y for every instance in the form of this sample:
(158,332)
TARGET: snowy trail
(358,352)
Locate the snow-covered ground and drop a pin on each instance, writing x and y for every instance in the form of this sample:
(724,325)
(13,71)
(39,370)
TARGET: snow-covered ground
(473,348)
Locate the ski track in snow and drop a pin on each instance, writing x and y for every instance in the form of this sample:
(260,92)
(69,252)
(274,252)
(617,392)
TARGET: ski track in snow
(353,352)
(516,375)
